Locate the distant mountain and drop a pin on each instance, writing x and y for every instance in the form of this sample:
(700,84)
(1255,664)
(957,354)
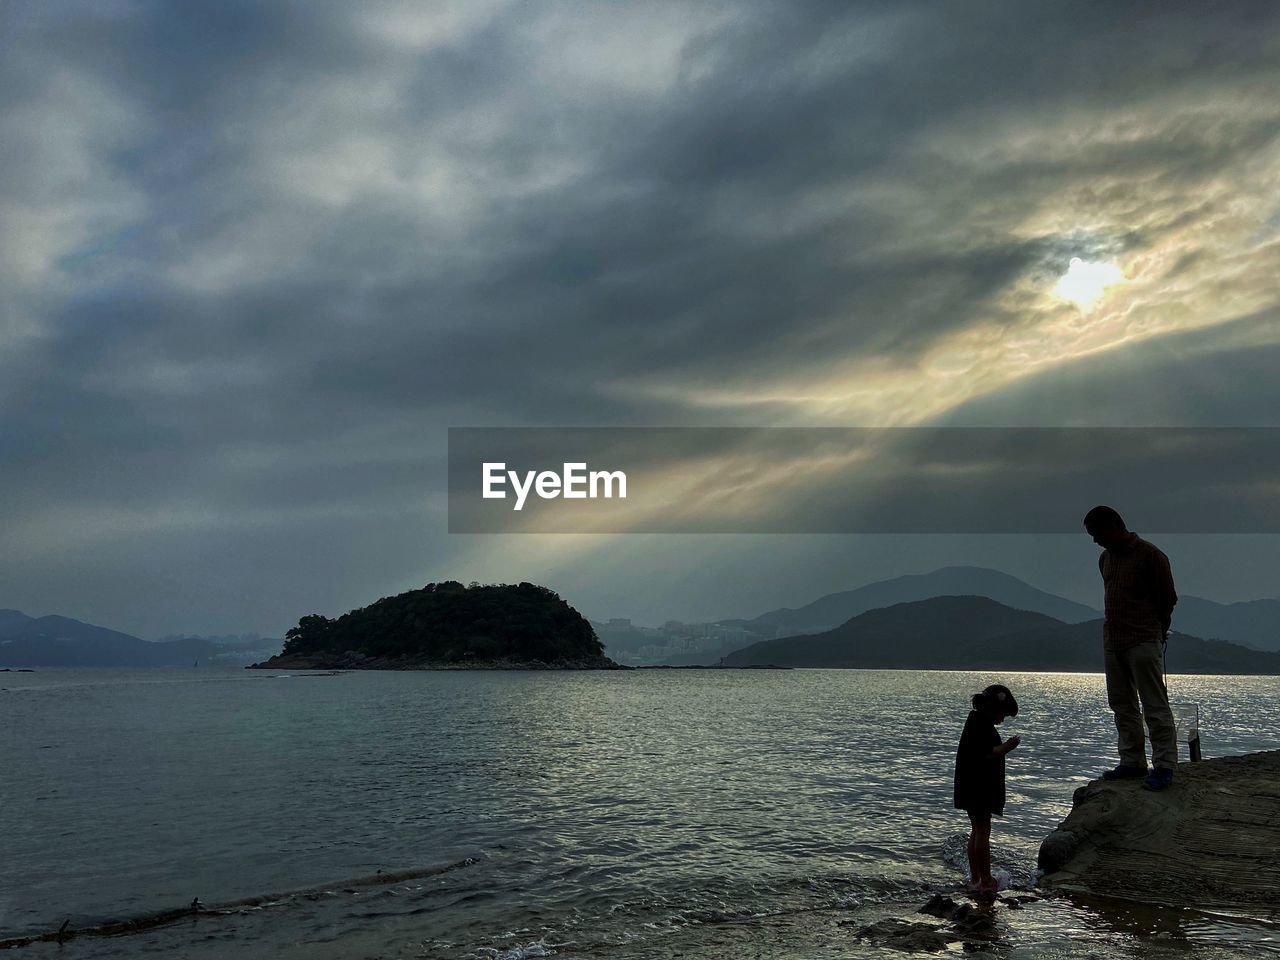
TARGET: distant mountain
(836,608)
(62,642)
(1255,623)
(977,633)
(228,649)
(921,633)
(1077,647)
(11,619)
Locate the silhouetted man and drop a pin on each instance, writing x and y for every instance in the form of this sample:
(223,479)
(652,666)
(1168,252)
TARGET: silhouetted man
(1139,600)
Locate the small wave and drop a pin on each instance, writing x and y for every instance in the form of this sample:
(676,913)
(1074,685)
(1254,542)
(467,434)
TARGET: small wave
(524,951)
(150,921)
(955,852)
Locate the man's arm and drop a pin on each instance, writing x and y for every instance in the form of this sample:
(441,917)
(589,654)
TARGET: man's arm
(1163,593)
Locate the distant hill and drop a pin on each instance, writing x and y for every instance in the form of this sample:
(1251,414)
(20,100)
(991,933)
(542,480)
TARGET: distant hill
(11,619)
(1255,623)
(230,648)
(921,633)
(62,642)
(448,625)
(836,608)
(976,633)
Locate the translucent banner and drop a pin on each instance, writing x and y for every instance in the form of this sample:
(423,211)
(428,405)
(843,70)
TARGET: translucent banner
(860,480)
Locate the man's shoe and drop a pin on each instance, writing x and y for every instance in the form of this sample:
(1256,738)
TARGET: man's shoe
(1125,772)
(1158,779)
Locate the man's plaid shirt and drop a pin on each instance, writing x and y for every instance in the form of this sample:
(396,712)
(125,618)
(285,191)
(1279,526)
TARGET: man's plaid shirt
(1139,593)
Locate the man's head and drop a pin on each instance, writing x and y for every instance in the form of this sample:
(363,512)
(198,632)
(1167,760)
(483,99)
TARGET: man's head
(1106,526)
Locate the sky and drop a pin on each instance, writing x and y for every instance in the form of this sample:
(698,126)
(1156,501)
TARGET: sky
(257,258)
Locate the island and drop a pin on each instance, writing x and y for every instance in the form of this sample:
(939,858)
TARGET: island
(449,626)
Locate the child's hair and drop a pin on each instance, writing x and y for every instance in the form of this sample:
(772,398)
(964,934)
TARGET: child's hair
(997,695)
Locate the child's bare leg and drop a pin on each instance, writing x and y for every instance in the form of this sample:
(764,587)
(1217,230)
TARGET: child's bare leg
(985,850)
(980,851)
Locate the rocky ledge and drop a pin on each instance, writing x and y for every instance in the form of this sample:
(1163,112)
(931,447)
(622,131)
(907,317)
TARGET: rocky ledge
(358,661)
(1209,841)
(967,927)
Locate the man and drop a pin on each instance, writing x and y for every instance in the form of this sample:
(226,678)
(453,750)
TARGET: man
(1139,601)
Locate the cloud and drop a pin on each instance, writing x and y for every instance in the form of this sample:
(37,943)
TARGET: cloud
(259,256)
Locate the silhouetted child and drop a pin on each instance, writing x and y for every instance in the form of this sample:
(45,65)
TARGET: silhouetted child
(979,784)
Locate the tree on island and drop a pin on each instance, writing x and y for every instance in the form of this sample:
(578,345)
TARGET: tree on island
(452,623)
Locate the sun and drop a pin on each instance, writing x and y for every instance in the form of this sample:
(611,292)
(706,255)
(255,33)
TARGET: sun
(1085,281)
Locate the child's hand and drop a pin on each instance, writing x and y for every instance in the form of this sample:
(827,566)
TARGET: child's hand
(1012,744)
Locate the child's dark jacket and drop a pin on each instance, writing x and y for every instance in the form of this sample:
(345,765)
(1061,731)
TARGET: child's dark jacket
(979,781)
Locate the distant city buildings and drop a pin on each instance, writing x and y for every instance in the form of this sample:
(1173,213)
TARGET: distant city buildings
(674,642)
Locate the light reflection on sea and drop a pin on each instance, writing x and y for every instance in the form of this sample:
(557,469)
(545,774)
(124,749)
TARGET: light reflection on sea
(613,814)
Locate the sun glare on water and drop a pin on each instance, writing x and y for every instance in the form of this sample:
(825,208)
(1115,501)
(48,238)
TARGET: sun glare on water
(1085,282)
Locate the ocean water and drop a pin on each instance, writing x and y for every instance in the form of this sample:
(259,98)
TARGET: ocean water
(636,814)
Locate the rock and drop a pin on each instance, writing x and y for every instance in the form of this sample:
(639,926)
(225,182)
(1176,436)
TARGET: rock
(940,906)
(906,935)
(1057,850)
(972,927)
(1208,841)
(970,922)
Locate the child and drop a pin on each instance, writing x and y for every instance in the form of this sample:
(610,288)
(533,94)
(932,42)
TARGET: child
(979,782)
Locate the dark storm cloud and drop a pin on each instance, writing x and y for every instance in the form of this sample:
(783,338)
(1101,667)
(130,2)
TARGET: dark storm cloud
(263,254)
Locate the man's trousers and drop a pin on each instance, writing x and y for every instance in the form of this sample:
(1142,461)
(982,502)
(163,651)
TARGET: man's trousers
(1136,690)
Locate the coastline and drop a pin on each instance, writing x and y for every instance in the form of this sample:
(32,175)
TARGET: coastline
(1206,842)
(357,661)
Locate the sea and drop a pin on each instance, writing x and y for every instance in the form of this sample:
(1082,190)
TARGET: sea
(514,814)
